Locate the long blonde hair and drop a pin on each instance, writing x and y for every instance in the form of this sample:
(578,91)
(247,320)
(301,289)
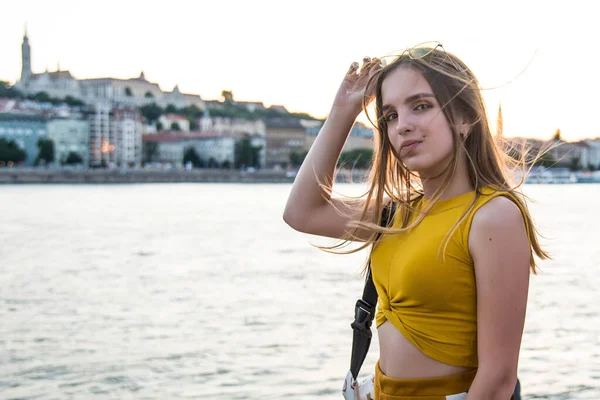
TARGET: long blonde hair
(489,165)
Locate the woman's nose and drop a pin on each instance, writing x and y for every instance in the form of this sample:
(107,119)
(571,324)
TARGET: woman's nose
(404,125)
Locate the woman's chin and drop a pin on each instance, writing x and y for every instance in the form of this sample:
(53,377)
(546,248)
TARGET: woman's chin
(418,165)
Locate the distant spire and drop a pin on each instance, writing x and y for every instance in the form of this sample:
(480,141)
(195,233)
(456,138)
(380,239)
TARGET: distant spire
(57,66)
(25,58)
(142,76)
(500,122)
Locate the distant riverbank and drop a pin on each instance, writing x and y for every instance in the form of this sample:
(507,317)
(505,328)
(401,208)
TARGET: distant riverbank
(117,176)
(114,176)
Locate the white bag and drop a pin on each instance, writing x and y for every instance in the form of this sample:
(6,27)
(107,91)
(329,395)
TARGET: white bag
(364,390)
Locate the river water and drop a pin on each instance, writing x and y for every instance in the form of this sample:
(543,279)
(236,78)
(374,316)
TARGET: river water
(182,291)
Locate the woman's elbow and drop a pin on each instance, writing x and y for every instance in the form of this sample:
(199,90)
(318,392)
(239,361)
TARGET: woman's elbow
(293,220)
(500,382)
(506,386)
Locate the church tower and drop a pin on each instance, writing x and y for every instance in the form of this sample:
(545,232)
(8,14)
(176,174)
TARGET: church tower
(499,123)
(25,59)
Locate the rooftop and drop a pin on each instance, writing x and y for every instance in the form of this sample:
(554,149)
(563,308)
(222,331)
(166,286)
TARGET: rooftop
(287,123)
(55,75)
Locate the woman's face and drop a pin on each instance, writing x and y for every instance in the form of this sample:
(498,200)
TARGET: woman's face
(417,128)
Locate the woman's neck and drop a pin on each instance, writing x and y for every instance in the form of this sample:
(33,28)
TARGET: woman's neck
(459,183)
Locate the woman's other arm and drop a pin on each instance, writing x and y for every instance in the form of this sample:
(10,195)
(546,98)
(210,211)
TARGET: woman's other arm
(500,249)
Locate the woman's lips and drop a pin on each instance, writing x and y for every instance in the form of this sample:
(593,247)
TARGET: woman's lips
(410,144)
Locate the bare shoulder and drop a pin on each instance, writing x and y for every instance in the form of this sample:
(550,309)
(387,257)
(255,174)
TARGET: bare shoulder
(500,212)
(498,223)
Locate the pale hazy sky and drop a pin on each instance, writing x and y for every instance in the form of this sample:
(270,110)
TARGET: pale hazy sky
(542,55)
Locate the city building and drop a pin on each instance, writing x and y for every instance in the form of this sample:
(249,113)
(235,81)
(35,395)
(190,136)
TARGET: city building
(102,137)
(8,105)
(132,91)
(570,153)
(235,126)
(252,105)
(284,136)
(115,136)
(213,148)
(593,153)
(135,91)
(217,149)
(360,137)
(168,122)
(69,136)
(181,100)
(127,124)
(57,83)
(169,147)
(25,130)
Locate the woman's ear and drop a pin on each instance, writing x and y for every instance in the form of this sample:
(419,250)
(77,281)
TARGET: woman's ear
(464,129)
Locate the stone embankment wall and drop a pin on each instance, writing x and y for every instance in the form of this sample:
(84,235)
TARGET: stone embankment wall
(38,176)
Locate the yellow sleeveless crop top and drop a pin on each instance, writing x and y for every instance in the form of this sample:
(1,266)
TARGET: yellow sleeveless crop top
(432,302)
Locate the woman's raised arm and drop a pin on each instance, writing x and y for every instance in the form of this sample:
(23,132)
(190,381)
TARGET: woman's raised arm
(310,208)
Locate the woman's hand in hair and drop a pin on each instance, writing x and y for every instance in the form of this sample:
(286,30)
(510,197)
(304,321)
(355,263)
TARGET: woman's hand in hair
(353,90)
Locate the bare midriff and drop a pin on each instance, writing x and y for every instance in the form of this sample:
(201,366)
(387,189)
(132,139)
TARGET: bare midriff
(400,359)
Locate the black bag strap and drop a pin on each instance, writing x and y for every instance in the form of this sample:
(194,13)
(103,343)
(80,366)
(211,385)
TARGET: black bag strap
(364,312)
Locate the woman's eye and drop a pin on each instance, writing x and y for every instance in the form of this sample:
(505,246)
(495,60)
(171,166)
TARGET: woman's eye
(422,106)
(390,117)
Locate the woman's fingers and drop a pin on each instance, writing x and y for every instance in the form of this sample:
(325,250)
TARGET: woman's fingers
(367,64)
(358,76)
(370,66)
(353,67)
(374,66)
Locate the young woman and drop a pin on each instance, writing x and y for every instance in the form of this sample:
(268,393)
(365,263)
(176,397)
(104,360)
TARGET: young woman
(452,267)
